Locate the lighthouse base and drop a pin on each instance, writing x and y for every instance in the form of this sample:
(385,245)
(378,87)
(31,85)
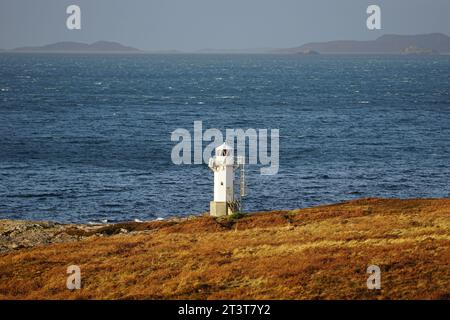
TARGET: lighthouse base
(219,209)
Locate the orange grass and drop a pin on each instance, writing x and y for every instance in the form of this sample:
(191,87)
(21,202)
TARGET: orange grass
(315,253)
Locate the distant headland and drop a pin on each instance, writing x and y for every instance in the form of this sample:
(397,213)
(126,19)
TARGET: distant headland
(78,47)
(386,44)
(422,44)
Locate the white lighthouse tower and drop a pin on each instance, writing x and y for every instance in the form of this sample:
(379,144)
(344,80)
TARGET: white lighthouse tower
(223,166)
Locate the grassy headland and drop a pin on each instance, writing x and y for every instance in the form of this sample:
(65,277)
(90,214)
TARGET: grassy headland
(314,253)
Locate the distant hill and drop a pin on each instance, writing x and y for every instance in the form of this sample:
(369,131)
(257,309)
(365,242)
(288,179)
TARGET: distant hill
(390,43)
(68,47)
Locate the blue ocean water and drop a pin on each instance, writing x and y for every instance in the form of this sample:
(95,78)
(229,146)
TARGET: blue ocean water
(87,137)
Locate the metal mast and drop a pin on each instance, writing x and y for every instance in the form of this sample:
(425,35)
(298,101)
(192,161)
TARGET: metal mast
(242,189)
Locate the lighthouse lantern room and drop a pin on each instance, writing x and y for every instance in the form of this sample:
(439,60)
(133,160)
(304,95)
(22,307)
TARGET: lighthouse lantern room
(223,166)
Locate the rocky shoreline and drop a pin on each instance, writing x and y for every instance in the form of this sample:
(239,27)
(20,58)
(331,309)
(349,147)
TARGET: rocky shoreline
(22,234)
(18,234)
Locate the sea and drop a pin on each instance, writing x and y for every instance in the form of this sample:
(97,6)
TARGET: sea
(87,138)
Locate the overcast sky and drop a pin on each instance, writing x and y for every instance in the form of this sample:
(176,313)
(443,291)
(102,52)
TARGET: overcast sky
(219,24)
